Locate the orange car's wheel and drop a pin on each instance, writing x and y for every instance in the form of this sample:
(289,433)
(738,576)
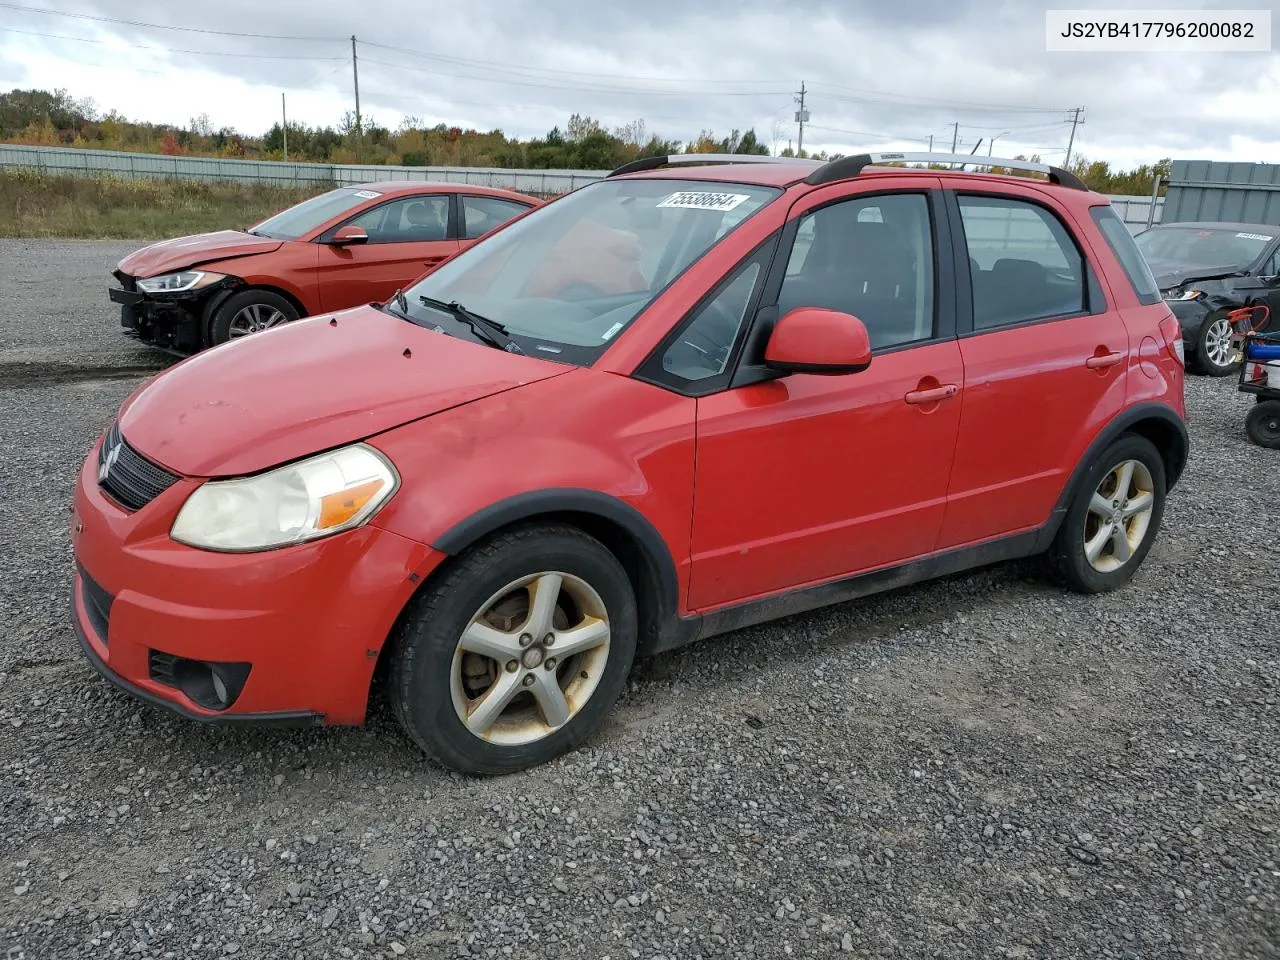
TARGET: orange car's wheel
(249,312)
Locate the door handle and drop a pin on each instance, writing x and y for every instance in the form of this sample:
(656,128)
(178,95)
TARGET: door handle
(944,392)
(1106,360)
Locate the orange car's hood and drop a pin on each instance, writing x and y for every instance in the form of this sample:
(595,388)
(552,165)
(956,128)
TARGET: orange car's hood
(308,386)
(182,253)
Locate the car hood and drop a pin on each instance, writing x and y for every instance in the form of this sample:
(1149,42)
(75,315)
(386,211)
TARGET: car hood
(1171,273)
(181,253)
(309,386)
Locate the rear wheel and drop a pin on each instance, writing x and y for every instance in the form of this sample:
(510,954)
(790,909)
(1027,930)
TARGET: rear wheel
(1263,424)
(249,312)
(1113,519)
(518,653)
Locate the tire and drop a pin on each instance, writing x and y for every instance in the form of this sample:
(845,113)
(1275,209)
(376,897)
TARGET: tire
(434,684)
(1263,424)
(238,311)
(1210,341)
(1069,557)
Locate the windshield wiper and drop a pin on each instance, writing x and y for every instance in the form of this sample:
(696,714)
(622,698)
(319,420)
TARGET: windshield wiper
(490,331)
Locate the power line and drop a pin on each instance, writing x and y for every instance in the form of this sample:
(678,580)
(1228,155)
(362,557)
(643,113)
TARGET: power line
(582,88)
(160,26)
(885,97)
(201,53)
(511,68)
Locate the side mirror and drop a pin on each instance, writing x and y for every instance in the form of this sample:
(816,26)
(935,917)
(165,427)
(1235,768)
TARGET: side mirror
(817,340)
(345,236)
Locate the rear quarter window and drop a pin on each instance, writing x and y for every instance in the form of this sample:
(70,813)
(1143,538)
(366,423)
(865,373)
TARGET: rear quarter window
(1134,264)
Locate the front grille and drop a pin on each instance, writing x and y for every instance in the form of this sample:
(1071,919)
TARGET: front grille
(130,478)
(126,281)
(97,604)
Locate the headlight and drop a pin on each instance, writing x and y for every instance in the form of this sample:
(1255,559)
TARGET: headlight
(312,498)
(179,282)
(1183,295)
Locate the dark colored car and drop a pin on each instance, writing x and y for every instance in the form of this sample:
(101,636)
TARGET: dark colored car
(347,247)
(1206,270)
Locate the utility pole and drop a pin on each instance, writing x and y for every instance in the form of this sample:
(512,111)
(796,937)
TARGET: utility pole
(931,143)
(1070,143)
(355,79)
(284,125)
(955,136)
(802,116)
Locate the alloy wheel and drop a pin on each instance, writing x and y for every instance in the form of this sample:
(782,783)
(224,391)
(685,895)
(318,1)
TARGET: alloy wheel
(530,658)
(1119,516)
(1217,343)
(254,318)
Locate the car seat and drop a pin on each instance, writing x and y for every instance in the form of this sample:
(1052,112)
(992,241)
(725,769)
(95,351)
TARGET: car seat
(425,221)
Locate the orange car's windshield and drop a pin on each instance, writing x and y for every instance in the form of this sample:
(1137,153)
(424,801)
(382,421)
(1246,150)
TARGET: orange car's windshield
(569,277)
(302,218)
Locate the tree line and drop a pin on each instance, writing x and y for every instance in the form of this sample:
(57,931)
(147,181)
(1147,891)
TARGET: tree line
(55,118)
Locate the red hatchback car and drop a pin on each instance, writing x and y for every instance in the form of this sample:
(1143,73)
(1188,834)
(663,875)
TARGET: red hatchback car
(837,379)
(343,248)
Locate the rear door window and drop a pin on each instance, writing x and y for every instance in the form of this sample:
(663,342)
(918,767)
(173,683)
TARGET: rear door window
(1024,263)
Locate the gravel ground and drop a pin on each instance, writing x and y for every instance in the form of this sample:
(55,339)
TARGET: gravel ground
(982,767)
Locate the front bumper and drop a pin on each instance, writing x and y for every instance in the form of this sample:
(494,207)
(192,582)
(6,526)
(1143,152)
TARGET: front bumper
(305,623)
(176,322)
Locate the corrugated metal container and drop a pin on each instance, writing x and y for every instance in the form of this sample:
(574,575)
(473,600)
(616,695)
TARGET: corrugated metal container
(1213,190)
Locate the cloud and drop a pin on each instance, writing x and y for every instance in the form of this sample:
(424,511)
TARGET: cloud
(877,75)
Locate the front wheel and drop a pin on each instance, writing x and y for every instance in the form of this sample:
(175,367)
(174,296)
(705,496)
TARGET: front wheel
(1263,424)
(518,652)
(248,312)
(1215,355)
(1113,518)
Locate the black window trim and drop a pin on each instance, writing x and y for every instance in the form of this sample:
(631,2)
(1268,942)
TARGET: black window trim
(761,324)
(1095,298)
(458,220)
(450,217)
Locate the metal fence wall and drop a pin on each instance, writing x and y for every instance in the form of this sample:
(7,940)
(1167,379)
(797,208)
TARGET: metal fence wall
(64,160)
(544,183)
(1213,190)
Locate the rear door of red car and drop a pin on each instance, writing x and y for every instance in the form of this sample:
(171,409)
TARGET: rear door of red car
(407,237)
(1045,357)
(809,477)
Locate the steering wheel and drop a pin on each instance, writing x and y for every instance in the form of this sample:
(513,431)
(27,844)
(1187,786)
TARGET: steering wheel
(711,335)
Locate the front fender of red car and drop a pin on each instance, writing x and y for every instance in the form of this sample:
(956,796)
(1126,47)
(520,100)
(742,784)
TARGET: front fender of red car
(591,445)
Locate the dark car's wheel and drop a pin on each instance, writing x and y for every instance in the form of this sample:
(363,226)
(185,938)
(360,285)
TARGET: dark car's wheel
(517,653)
(1214,353)
(1263,424)
(1113,518)
(250,311)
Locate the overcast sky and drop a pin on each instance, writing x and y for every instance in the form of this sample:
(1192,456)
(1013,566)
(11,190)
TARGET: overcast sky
(878,74)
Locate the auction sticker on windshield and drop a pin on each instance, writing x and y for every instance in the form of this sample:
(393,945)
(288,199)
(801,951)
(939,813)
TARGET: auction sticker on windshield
(1253,236)
(693,200)
(368,194)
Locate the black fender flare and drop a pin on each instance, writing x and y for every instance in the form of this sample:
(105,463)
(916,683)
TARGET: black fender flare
(651,549)
(1175,452)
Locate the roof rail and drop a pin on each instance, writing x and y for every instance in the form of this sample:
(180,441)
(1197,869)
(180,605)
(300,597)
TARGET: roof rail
(651,163)
(847,168)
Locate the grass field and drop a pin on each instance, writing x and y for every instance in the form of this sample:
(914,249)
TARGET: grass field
(34,204)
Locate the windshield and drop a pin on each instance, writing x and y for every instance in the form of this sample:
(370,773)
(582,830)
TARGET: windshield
(302,218)
(569,277)
(1200,247)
